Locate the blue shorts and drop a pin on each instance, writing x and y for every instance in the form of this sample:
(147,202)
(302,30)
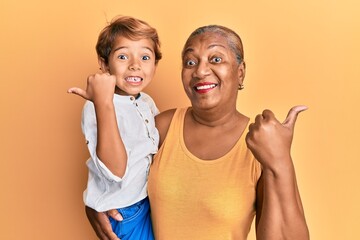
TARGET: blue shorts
(136,224)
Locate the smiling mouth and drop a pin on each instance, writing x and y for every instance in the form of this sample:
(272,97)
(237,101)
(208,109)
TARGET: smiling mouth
(205,87)
(133,79)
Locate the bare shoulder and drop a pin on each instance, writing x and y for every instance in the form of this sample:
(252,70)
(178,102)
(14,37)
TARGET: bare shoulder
(162,122)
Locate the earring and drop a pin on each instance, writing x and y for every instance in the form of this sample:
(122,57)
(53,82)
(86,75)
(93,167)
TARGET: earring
(241,86)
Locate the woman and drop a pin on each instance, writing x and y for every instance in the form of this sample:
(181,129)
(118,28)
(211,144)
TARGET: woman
(204,182)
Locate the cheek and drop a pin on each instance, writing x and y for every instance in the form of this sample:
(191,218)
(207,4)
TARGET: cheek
(116,69)
(224,72)
(185,76)
(150,70)
(228,75)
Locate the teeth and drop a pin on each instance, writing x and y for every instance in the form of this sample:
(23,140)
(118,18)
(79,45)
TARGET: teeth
(133,79)
(206,87)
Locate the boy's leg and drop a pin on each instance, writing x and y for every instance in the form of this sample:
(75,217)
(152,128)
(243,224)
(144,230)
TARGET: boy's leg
(136,224)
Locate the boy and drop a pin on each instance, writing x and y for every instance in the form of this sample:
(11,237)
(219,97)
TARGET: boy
(119,128)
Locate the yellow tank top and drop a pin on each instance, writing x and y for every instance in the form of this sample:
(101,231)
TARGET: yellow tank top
(196,199)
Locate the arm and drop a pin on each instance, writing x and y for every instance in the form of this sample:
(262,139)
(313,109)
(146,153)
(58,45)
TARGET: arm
(101,224)
(110,148)
(162,122)
(280,213)
(99,221)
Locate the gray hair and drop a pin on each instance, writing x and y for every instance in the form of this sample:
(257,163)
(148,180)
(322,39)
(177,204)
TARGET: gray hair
(233,39)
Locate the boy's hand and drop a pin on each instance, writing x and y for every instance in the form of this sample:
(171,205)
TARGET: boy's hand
(100,88)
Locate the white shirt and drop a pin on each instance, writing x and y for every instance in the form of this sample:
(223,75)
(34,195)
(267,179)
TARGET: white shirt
(135,119)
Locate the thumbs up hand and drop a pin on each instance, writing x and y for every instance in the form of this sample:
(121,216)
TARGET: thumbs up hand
(100,88)
(270,141)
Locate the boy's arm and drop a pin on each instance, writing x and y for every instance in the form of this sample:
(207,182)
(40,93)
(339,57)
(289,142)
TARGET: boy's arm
(280,213)
(99,220)
(110,148)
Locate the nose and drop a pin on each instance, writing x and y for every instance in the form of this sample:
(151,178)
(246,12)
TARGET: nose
(202,70)
(134,65)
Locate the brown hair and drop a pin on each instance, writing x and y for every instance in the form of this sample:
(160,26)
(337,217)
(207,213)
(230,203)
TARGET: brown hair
(233,39)
(129,27)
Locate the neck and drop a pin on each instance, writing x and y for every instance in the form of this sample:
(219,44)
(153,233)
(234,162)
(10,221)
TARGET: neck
(213,118)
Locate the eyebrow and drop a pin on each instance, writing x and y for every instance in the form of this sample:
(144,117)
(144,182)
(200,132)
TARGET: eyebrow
(119,48)
(189,49)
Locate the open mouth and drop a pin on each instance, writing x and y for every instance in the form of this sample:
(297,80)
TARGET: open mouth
(133,79)
(205,87)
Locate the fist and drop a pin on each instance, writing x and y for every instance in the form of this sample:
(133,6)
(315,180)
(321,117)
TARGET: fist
(269,140)
(100,87)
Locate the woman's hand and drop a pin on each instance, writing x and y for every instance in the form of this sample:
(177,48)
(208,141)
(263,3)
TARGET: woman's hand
(279,213)
(100,88)
(101,224)
(270,141)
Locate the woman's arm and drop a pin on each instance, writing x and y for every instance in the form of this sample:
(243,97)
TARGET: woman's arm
(101,224)
(162,122)
(280,213)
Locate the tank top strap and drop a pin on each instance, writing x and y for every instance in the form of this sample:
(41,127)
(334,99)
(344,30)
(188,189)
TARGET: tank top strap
(177,121)
(176,127)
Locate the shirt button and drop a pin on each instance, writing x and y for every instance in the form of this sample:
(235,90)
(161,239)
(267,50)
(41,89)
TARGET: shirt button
(147,121)
(132,98)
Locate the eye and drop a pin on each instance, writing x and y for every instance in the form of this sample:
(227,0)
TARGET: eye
(122,57)
(216,59)
(145,58)
(190,63)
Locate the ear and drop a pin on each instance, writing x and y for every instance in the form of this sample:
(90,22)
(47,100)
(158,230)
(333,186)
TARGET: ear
(103,66)
(241,72)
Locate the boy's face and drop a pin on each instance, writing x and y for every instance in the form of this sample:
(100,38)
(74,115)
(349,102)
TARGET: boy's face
(133,64)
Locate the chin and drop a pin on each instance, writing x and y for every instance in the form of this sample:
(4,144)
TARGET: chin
(203,105)
(134,90)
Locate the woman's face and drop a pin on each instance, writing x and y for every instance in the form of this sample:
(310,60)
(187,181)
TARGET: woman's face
(210,74)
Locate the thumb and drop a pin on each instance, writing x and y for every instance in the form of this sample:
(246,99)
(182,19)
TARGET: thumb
(292,116)
(115,214)
(78,91)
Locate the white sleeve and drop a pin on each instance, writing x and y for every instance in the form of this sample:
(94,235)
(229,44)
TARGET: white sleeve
(151,104)
(89,129)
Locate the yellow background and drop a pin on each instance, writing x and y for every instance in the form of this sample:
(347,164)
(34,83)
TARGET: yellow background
(297,52)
